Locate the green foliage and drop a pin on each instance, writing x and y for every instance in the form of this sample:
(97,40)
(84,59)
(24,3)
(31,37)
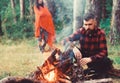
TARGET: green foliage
(3,4)
(19,30)
(27,8)
(63,15)
(109,7)
(4,74)
(114,52)
(105,24)
(63,18)
(6,14)
(117,60)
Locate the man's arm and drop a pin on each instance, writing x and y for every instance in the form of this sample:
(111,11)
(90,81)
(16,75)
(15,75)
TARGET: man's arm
(74,37)
(68,42)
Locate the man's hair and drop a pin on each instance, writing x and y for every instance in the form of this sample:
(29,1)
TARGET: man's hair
(89,16)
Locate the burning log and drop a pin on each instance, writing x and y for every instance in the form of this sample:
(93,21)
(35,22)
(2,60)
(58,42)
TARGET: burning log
(59,70)
(63,69)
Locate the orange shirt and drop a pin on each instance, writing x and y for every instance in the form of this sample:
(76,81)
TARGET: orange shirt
(43,18)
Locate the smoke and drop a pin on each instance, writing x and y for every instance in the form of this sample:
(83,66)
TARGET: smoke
(64,18)
(65,32)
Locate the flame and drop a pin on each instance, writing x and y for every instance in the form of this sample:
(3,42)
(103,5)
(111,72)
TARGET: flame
(49,73)
(51,76)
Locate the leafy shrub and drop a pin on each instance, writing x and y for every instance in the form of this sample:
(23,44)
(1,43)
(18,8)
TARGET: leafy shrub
(19,30)
(105,24)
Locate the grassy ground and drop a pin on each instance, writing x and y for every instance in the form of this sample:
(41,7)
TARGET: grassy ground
(21,58)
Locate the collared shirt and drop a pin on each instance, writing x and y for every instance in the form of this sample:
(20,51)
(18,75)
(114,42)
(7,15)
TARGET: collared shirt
(92,44)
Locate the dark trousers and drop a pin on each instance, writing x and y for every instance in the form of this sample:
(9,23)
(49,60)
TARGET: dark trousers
(101,65)
(44,37)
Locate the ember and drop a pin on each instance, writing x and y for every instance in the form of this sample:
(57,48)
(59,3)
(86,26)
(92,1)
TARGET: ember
(51,77)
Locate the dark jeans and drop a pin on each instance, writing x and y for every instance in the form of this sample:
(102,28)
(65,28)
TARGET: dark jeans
(101,65)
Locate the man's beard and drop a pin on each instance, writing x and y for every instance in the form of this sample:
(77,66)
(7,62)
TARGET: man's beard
(89,32)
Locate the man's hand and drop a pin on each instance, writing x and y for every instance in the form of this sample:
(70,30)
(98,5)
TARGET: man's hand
(85,61)
(77,53)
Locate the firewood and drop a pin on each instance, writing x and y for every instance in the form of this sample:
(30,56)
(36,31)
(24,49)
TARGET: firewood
(64,80)
(105,80)
(12,79)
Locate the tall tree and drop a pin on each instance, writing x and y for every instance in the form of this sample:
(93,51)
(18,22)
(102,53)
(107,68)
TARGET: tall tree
(115,23)
(31,4)
(13,10)
(94,6)
(31,7)
(22,9)
(51,6)
(1,33)
(104,11)
(78,12)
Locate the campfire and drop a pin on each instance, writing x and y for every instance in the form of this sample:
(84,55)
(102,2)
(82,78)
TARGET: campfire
(59,68)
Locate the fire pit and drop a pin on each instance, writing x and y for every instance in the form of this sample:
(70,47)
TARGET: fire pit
(59,68)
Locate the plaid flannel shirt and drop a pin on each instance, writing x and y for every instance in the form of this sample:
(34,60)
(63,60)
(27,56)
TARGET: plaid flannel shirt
(92,44)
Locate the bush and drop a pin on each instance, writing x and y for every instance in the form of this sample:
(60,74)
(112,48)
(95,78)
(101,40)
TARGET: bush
(105,24)
(19,30)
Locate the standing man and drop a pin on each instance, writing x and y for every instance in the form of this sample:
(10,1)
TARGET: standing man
(44,26)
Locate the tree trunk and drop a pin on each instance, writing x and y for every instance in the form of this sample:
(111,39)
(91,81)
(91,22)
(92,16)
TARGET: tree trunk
(51,6)
(31,4)
(31,7)
(115,23)
(1,33)
(104,12)
(78,11)
(13,10)
(94,6)
(22,9)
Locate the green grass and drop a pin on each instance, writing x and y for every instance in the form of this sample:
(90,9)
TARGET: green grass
(22,58)
(114,54)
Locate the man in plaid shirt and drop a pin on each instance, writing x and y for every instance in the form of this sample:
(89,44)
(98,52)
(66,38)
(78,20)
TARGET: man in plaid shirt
(93,47)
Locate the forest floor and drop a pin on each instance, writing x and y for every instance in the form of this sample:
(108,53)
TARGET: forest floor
(23,58)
